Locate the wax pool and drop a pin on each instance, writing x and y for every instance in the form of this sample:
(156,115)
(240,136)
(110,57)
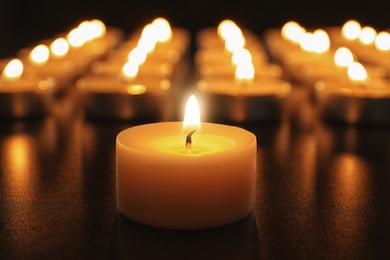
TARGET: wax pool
(160,183)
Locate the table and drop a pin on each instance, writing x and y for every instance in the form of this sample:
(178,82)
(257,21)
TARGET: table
(323,192)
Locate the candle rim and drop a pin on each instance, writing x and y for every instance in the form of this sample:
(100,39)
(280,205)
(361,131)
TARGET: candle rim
(251,141)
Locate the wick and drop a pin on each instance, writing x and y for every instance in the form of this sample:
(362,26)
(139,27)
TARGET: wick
(189,140)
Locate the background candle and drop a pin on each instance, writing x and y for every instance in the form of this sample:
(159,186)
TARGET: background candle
(112,99)
(210,185)
(22,97)
(359,100)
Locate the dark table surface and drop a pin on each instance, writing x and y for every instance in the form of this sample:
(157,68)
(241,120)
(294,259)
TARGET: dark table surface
(323,193)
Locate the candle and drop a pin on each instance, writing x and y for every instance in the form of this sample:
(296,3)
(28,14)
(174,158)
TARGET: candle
(113,99)
(282,40)
(171,177)
(244,98)
(358,100)
(310,72)
(21,96)
(234,80)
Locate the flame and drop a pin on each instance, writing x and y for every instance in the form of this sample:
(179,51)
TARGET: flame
(138,55)
(191,116)
(367,35)
(235,43)
(130,69)
(13,70)
(351,30)
(245,72)
(241,56)
(317,42)
(357,72)
(99,28)
(292,31)
(59,47)
(76,38)
(382,41)
(148,40)
(162,28)
(40,54)
(225,28)
(232,35)
(343,57)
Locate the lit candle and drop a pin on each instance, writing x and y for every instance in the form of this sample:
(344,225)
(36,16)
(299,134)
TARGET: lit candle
(358,100)
(24,96)
(314,52)
(309,73)
(171,177)
(282,40)
(244,98)
(113,99)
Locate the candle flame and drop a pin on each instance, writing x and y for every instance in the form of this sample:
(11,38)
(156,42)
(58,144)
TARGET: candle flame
(130,70)
(382,41)
(138,55)
(75,38)
(292,31)
(13,70)
(148,40)
(59,47)
(225,28)
(357,72)
(343,57)
(191,115)
(162,28)
(40,54)
(99,28)
(245,73)
(317,42)
(351,30)
(367,35)
(232,35)
(241,56)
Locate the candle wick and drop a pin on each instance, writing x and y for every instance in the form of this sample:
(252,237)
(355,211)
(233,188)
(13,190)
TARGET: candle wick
(189,140)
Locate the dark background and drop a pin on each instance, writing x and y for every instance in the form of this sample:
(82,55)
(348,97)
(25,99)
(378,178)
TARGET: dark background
(23,23)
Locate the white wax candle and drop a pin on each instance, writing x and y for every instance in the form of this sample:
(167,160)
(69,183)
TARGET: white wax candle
(162,184)
(261,87)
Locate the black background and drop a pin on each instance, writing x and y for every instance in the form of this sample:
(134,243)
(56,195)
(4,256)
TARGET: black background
(24,23)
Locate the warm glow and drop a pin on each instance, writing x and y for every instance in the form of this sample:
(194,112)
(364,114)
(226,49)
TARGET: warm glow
(317,42)
(343,57)
(13,70)
(241,56)
(130,70)
(40,54)
(162,28)
(367,35)
(225,28)
(232,35)
(76,38)
(357,72)
(351,30)
(98,28)
(382,41)
(235,43)
(147,41)
(136,89)
(87,30)
(59,47)
(191,115)
(292,31)
(137,55)
(245,72)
